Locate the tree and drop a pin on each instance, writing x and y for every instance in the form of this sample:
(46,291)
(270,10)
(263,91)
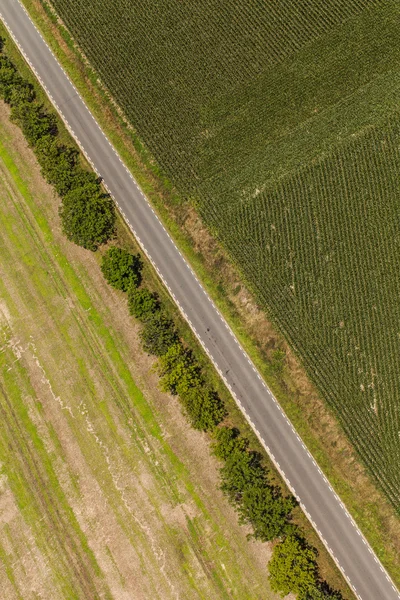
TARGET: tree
(322,591)
(22,94)
(266,510)
(121,269)
(88,216)
(226,441)
(203,407)
(293,568)
(178,370)
(83,178)
(58,163)
(34,121)
(9,77)
(142,303)
(241,471)
(158,334)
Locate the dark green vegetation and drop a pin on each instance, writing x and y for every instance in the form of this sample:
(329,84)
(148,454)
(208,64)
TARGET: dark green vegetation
(281,123)
(245,480)
(87,214)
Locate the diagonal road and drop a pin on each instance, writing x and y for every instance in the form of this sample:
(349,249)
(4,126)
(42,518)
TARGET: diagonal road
(325,510)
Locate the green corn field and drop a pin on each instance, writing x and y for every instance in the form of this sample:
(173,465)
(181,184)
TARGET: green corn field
(281,120)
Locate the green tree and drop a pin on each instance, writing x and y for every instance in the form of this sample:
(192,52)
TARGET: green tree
(227,440)
(178,370)
(142,303)
(9,78)
(293,568)
(58,163)
(322,591)
(241,471)
(34,121)
(121,269)
(87,216)
(203,407)
(158,334)
(266,510)
(22,94)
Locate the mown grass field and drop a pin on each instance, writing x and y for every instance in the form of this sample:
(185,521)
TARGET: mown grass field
(281,122)
(103,490)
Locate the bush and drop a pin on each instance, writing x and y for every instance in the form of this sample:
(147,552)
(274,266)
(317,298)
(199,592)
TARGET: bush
(158,334)
(142,303)
(121,269)
(203,407)
(88,216)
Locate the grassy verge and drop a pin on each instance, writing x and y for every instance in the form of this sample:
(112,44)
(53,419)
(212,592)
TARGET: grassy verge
(159,188)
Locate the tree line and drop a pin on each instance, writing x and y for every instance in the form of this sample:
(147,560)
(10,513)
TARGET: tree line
(87,213)
(245,480)
(88,219)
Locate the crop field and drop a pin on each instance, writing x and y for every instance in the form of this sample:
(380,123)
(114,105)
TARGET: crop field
(103,490)
(280,120)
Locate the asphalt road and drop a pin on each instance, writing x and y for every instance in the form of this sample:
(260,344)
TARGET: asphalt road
(325,510)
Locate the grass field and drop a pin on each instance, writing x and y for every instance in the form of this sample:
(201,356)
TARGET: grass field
(103,490)
(282,125)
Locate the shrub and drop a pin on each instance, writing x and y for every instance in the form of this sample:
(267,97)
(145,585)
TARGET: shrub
(88,216)
(121,269)
(158,334)
(142,303)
